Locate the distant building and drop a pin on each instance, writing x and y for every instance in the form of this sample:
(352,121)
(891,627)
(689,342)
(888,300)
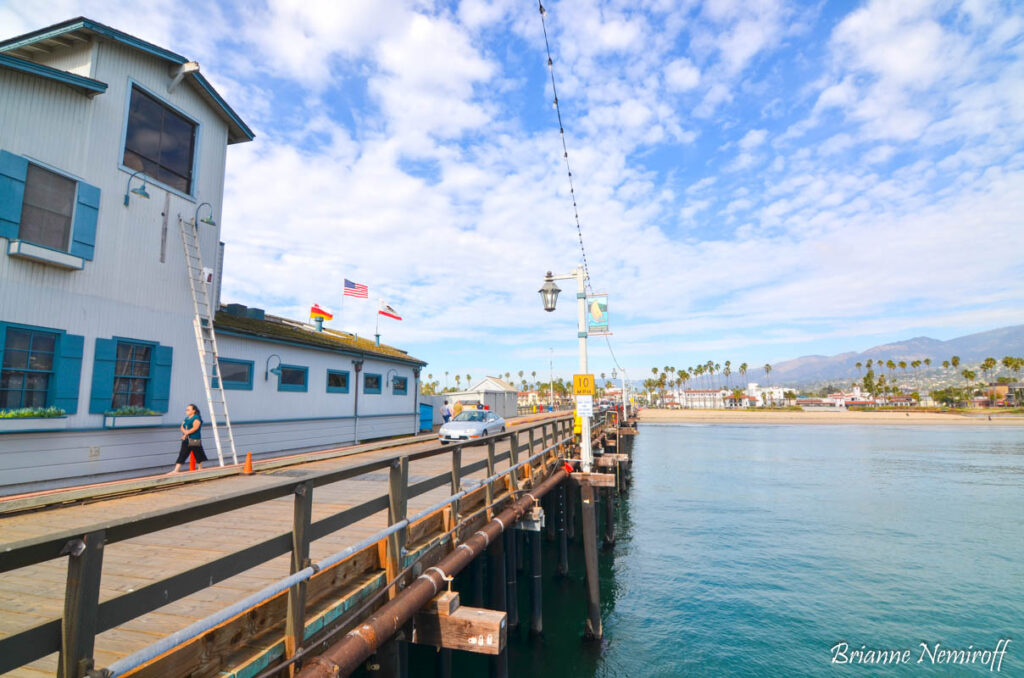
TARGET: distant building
(493,392)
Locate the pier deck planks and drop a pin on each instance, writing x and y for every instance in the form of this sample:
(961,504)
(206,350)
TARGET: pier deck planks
(31,595)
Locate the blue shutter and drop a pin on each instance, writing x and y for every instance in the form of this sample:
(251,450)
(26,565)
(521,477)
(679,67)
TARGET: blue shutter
(83,235)
(68,373)
(13,170)
(102,396)
(160,378)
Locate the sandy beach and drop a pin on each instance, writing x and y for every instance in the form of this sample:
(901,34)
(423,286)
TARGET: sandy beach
(655,416)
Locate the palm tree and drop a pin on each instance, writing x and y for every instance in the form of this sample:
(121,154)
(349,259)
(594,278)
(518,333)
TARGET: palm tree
(469,379)
(927,362)
(727,371)
(955,361)
(767,371)
(987,365)
(859,365)
(458,380)
(945,364)
(743,371)
(969,376)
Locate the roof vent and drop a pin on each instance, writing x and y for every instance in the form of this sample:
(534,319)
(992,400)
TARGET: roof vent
(255,313)
(236,309)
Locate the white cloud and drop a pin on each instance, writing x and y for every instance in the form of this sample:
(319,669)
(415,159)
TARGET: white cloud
(753,139)
(681,75)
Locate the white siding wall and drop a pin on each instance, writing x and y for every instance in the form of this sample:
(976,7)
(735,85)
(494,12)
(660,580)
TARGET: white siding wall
(126,290)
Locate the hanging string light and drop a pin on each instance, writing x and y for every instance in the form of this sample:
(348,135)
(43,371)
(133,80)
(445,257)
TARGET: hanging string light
(565,148)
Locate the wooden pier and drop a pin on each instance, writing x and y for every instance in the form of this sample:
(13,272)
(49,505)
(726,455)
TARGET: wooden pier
(238,574)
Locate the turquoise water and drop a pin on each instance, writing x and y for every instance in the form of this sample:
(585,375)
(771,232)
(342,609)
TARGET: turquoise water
(751,551)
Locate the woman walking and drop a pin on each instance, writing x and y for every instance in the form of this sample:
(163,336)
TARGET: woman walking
(191,439)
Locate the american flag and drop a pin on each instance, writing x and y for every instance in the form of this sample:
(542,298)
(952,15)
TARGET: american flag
(355,289)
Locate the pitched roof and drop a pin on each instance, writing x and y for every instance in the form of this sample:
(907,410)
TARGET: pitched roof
(280,329)
(61,35)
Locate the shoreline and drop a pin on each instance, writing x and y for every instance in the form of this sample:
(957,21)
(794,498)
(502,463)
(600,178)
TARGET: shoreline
(789,417)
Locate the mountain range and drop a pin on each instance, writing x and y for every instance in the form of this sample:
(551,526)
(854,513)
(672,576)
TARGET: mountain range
(972,349)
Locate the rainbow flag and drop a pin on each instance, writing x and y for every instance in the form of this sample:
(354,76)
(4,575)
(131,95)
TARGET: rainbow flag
(316,312)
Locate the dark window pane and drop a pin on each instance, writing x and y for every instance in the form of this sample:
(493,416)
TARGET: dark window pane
(293,377)
(372,382)
(122,367)
(140,369)
(124,351)
(138,386)
(35,399)
(337,379)
(43,341)
(159,142)
(235,372)
(137,400)
(19,339)
(41,361)
(176,144)
(16,359)
(142,352)
(48,205)
(12,380)
(36,382)
(121,385)
(10,400)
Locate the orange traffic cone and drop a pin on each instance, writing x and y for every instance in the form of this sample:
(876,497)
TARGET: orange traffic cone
(247,469)
(191,461)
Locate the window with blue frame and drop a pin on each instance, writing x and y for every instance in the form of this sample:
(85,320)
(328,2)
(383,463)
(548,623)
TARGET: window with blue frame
(236,374)
(39,367)
(337,381)
(159,142)
(401,386)
(43,207)
(27,368)
(131,375)
(130,372)
(293,378)
(371,383)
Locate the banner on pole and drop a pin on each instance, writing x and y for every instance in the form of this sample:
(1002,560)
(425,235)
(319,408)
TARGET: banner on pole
(597,314)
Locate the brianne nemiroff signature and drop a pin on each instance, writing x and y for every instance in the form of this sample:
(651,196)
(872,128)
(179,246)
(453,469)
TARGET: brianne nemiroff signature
(925,653)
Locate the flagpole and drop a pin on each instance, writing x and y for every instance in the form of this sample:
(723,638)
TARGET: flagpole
(341,313)
(377,333)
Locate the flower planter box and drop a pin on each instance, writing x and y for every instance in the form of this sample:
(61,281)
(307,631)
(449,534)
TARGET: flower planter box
(132,421)
(33,424)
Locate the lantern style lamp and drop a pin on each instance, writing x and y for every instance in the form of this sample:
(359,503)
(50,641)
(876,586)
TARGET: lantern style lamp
(549,293)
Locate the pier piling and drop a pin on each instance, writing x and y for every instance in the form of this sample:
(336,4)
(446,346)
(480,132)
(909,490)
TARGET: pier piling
(563,543)
(593,629)
(609,517)
(511,583)
(536,591)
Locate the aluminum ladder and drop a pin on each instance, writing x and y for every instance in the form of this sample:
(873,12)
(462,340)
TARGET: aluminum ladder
(206,340)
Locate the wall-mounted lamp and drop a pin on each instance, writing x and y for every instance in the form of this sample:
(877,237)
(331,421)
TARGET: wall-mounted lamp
(138,190)
(268,371)
(391,379)
(207,220)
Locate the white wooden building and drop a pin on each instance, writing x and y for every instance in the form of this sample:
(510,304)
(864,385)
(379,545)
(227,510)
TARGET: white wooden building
(107,144)
(495,393)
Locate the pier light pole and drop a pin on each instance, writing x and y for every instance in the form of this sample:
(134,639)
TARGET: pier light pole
(549,294)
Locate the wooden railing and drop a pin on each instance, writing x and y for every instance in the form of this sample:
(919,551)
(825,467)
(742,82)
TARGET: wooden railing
(73,635)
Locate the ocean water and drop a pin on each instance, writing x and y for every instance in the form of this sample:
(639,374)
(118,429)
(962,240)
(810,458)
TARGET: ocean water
(752,551)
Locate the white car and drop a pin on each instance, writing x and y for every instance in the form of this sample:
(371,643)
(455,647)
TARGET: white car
(469,425)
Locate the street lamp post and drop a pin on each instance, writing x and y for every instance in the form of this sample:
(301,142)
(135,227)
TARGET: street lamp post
(549,294)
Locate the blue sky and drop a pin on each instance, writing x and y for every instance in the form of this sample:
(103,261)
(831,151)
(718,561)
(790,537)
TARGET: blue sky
(756,180)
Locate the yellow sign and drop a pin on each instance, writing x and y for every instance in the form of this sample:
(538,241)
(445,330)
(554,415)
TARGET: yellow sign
(583,384)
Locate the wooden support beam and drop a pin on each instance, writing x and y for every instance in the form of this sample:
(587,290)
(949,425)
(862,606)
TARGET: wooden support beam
(513,458)
(81,601)
(398,493)
(471,629)
(594,479)
(563,542)
(489,490)
(295,623)
(536,585)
